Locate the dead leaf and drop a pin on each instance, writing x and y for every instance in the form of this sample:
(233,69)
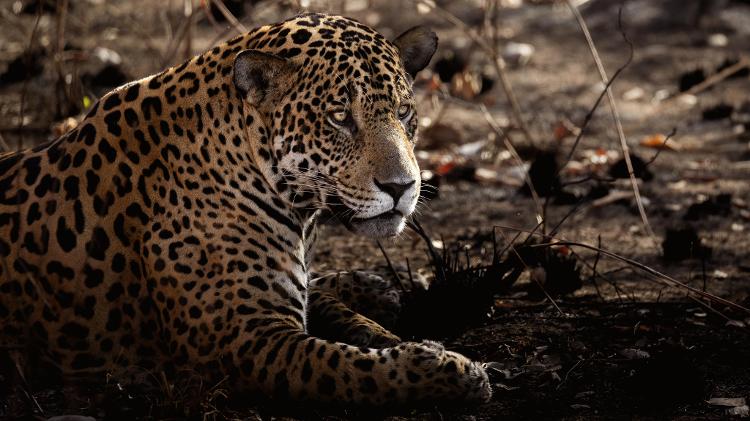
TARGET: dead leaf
(466,85)
(565,128)
(434,83)
(563,250)
(64,126)
(445,168)
(659,141)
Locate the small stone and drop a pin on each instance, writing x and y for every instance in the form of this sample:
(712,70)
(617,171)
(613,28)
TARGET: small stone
(635,354)
(518,53)
(633,94)
(718,40)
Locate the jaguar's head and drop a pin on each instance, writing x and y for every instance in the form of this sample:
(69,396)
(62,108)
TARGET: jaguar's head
(338,116)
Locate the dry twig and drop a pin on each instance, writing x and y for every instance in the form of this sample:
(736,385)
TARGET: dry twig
(662,147)
(595,274)
(615,115)
(190,13)
(236,24)
(589,116)
(24,89)
(712,80)
(180,35)
(15,356)
(4,147)
(390,265)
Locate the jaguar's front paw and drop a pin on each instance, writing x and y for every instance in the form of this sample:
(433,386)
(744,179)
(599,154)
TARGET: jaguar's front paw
(452,376)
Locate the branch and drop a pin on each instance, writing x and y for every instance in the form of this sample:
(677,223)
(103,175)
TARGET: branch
(615,114)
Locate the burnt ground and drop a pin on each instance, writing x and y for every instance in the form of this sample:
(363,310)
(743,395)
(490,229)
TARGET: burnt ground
(618,346)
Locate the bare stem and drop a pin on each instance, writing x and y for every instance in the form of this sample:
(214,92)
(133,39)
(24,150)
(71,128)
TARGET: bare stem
(615,117)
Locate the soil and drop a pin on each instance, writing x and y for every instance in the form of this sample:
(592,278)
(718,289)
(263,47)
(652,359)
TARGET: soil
(622,347)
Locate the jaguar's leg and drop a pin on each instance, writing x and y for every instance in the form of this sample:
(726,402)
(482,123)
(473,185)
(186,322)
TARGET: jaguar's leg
(283,361)
(331,319)
(253,325)
(355,307)
(374,294)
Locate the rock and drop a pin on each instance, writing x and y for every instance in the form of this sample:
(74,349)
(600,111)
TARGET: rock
(543,174)
(449,64)
(517,53)
(718,112)
(719,205)
(109,76)
(27,65)
(620,169)
(691,78)
(235,7)
(683,243)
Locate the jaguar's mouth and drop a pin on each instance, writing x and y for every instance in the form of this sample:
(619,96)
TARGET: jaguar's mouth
(386,224)
(382,216)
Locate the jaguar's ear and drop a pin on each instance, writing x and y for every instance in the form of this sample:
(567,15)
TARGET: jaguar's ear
(262,77)
(417,45)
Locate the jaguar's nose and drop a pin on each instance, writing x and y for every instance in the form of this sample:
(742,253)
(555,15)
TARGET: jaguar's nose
(393,189)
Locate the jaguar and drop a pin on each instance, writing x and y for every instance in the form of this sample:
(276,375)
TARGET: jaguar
(174,225)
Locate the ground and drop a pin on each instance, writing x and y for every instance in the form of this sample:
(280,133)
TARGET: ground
(622,344)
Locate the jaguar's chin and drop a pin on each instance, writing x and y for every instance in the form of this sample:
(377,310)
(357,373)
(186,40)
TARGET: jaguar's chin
(387,224)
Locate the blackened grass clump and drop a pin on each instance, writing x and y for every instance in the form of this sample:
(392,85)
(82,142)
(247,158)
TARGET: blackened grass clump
(559,269)
(462,294)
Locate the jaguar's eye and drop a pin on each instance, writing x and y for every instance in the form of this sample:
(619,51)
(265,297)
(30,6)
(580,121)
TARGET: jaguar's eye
(338,117)
(404,111)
